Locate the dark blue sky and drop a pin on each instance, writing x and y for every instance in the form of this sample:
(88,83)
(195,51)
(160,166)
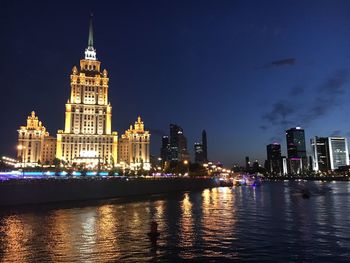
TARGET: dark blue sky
(243,70)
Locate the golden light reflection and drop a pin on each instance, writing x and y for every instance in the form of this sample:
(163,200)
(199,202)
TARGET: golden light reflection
(107,226)
(14,240)
(218,209)
(187,235)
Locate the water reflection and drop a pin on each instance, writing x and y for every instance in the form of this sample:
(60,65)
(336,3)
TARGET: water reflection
(186,228)
(242,223)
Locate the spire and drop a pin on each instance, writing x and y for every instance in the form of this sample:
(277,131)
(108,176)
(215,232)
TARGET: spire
(90,52)
(91,33)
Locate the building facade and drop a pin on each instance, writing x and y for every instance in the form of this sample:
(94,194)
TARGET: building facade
(338,152)
(274,158)
(329,153)
(205,146)
(165,153)
(198,153)
(35,146)
(320,154)
(87,138)
(296,150)
(134,150)
(178,144)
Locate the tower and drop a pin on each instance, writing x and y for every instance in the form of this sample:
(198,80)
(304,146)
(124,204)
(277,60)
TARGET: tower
(35,146)
(134,152)
(320,151)
(274,158)
(87,138)
(296,150)
(338,152)
(204,145)
(165,149)
(178,144)
(198,153)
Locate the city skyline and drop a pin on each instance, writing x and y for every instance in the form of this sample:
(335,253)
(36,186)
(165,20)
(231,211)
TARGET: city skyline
(151,60)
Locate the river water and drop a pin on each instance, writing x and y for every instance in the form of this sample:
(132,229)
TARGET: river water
(267,223)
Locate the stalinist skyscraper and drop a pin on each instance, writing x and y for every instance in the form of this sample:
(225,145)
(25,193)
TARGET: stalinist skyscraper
(87,138)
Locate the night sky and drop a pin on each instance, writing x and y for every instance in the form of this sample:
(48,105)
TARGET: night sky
(243,70)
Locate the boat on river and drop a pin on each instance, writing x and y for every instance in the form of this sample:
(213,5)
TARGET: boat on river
(248,179)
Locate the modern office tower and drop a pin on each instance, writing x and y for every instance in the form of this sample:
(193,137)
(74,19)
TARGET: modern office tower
(320,154)
(205,146)
(178,144)
(87,138)
(247,163)
(274,159)
(165,149)
(297,159)
(35,146)
(329,153)
(134,152)
(198,153)
(338,152)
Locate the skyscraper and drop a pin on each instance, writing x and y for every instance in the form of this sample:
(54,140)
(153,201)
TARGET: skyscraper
(274,158)
(165,149)
(205,147)
(178,144)
(338,152)
(296,150)
(329,153)
(87,138)
(198,153)
(320,152)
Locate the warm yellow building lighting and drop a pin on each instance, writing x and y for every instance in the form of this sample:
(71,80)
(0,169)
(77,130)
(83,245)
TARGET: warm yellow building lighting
(134,147)
(35,146)
(88,118)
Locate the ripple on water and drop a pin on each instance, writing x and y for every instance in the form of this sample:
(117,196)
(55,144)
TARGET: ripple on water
(217,225)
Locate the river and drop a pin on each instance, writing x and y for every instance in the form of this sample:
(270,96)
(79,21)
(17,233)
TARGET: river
(267,223)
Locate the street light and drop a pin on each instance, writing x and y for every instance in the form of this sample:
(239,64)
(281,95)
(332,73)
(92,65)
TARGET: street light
(188,168)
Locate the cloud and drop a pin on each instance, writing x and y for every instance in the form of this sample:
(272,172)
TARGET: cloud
(280,113)
(328,96)
(279,63)
(283,62)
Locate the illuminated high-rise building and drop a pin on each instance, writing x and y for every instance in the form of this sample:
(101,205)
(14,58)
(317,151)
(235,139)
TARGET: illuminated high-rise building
(329,153)
(274,158)
(296,149)
(198,153)
(35,146)
(87,138)
(165,152)
(205,146)
(134,152)
(178,144)
(338,152)
(320,152)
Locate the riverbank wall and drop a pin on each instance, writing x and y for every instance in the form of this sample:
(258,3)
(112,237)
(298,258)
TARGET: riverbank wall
(39,191)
